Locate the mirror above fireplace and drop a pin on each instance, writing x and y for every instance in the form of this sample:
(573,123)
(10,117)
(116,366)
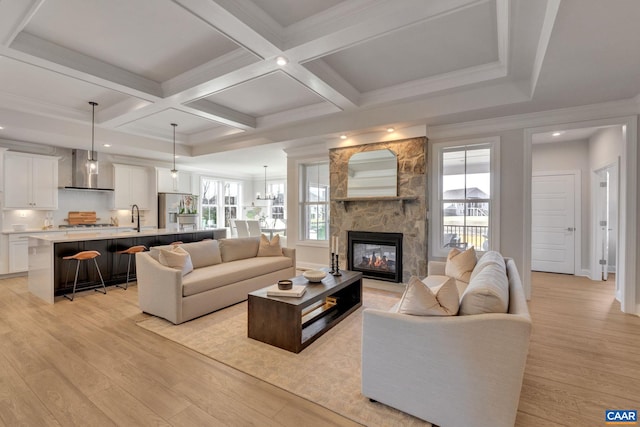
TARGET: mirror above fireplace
(373,174)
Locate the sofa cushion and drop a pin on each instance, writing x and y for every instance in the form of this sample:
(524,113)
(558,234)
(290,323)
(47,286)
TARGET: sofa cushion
(177,258)
(215,276)
(460,264)
(488,292)
(270,248)
(203,253)
(242,248)
(439,299)
(489,258)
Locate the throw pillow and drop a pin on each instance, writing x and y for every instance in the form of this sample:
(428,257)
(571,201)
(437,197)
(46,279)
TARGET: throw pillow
(176,258)
(421,300)
(488,292)
(270,248)
(460,264)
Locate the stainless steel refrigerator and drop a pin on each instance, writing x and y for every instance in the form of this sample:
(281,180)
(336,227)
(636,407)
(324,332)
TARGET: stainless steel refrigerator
(168,208)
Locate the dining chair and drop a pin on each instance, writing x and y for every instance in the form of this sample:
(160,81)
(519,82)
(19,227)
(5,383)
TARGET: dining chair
(254,228)
(241,228)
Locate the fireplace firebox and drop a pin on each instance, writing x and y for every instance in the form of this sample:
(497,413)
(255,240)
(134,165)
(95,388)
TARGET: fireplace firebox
(377,255)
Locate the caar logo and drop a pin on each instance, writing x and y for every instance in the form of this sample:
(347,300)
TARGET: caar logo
(621,417)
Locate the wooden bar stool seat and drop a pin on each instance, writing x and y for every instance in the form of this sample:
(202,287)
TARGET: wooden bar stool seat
(131,251)
(83,256)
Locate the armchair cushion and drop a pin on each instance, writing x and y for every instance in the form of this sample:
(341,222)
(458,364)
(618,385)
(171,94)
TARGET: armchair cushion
(433,296)
(460,264)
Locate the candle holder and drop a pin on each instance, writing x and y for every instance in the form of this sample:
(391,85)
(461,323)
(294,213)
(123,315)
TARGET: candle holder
(336,272)
(333,270)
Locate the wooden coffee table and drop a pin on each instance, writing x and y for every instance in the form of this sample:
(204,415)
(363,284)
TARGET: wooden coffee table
(293,323)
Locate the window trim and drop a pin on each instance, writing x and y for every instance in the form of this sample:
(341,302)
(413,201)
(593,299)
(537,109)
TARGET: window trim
(435,199)
(303,203)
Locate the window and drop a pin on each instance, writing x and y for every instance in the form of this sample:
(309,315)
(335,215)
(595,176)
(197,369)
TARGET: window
(314,201)
(220,201)
(231,202)
(209,200)
(277,207)
(466,196)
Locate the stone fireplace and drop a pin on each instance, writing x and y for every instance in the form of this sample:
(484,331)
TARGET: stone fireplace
(377,255)
(382,214)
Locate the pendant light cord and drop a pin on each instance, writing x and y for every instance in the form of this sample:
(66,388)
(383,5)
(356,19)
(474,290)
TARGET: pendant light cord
(93,126)
(174,147)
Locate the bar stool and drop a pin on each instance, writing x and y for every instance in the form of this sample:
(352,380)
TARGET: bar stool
(83,256)
(131,252)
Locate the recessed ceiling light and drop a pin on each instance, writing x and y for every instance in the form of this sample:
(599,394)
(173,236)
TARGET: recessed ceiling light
(1,128)
(343,136)
(282,61)
(557,133)
(106,145)
(390,129)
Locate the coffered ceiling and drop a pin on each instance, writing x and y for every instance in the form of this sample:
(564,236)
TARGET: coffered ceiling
(353,66)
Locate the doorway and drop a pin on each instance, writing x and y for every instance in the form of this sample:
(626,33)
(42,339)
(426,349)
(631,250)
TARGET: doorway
(626,253)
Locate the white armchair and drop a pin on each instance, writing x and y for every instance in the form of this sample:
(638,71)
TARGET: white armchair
(450,371)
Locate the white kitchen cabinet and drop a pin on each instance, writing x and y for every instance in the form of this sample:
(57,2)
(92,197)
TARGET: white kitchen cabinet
(131,186)
(18,253)
(166,184)
(30,181)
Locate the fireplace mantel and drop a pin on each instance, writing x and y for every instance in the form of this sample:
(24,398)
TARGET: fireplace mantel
(345,201)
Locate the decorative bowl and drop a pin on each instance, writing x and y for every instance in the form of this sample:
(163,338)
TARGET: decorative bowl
(314,275)
(19,227)
(285,285)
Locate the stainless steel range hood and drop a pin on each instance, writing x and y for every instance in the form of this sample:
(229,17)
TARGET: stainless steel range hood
(81,179)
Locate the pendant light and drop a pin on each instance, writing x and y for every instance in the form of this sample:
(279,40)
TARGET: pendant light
(92,162)
(267,196)
(174,171)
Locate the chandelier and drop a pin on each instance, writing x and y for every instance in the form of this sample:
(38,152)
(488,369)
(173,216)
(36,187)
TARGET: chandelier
(267,196)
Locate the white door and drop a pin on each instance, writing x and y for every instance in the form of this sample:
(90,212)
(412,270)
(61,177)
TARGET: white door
(553,223)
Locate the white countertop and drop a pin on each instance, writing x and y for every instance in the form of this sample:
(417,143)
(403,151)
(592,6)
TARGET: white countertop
(65,230)
(75,236)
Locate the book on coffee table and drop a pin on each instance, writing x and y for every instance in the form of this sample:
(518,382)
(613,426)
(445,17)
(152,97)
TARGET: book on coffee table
(296,291)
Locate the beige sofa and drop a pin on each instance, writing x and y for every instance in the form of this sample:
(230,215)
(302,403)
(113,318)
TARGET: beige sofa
(463,370)
(225,271)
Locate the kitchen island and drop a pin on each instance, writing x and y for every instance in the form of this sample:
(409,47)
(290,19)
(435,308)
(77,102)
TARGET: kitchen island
(47,269)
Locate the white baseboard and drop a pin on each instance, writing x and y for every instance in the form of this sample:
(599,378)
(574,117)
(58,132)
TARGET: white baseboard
(585,272)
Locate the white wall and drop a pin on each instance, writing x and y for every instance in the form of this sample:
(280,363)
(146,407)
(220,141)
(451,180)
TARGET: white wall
(568,156)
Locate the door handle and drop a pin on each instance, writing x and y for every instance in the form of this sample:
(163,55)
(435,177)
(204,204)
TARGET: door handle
(571,229)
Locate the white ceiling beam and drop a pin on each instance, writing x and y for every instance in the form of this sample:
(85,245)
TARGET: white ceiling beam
(14,16)
(312,41)
(230,25)
(211,135)
(345,100)
(213,69)
(220,113)
(543,42)
(454,79)
(105,115)
(42,53)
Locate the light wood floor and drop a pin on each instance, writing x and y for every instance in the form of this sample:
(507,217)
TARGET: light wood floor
(87,363)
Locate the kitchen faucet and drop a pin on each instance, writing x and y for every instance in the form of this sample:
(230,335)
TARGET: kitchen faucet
(138,210)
